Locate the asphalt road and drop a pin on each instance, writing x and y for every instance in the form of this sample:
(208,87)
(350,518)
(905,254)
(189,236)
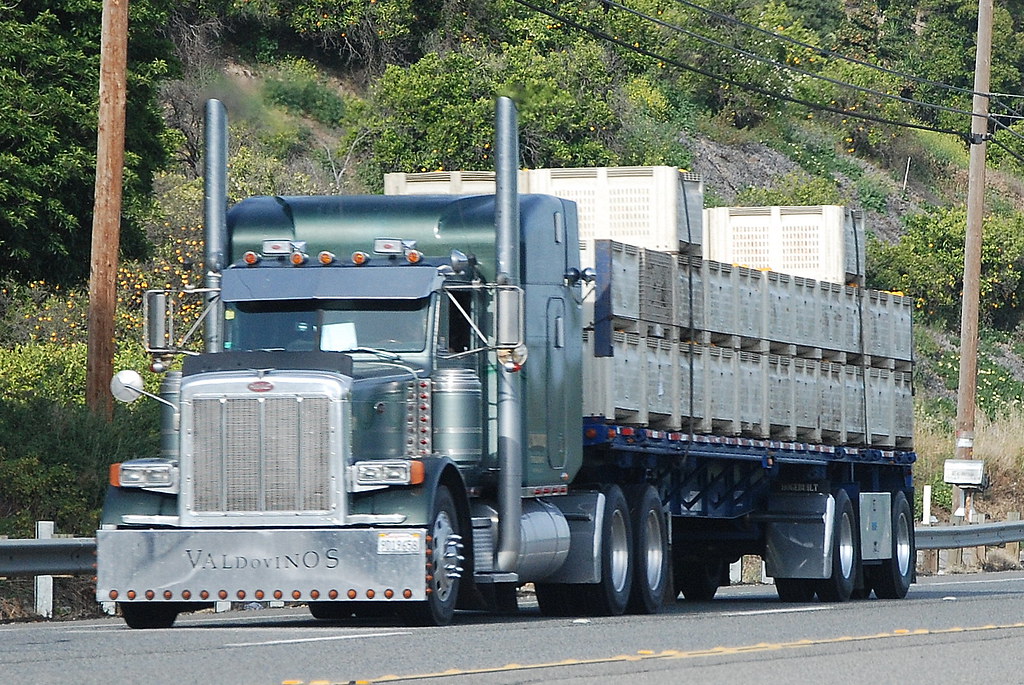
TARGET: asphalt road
(950,628)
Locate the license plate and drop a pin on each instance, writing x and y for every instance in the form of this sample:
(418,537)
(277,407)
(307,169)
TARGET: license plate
(398,543)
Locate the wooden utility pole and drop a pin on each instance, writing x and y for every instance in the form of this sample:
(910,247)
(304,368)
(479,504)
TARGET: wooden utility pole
(106,222)
(966,395)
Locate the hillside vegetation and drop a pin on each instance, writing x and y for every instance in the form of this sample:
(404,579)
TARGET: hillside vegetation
(799,102)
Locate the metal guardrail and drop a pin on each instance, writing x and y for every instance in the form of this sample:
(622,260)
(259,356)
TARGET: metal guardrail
(974,535)
(74,556)
(55,556)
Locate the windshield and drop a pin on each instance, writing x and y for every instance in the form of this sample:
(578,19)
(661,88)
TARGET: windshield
(328,325)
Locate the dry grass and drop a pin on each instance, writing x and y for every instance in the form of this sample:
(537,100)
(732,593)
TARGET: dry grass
(998,441)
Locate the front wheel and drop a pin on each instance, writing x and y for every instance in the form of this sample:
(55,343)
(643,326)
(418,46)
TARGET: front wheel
(892,578)
(444,556)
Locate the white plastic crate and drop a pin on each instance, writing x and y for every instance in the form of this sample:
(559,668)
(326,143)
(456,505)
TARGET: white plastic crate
(854,404)
(823,242)
(657,287)
(720,297)
(830,403)
(693,395)
(624,284)
(724,390)
(689,299)
(781,409)
(904,399)
(662,378)
(615,387)
(657,207)
(752,375)
(881,404)
(805,398)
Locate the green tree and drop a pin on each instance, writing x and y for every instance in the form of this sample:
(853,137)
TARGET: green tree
(49,75)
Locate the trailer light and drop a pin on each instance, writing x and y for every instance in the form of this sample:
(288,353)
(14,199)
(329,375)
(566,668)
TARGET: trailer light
(352,594)
(278,594)
(315,594)
(223,594)
(240,594)
(204,595)
(414,256)
(278,248)
(388,246)
(131,594)
(155,474)
(168,594)
(407,593)
(298,258)
(389,593)
(370,594)
(360,258)
(251,258)
(185,594)
(393,472)
(113,594)
(258,594)
(325,257)
(296,594)
(333,594)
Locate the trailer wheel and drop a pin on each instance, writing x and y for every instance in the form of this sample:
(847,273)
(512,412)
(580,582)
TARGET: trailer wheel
(698,579)
(444,553)
(794,589)
(147,616)
(650,555)
(891,579)
(839,586)
(610,596)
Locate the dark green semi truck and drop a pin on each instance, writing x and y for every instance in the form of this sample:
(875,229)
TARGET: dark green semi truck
(387,418)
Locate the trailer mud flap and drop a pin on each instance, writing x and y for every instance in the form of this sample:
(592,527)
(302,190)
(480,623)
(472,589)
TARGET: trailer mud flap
(798,536)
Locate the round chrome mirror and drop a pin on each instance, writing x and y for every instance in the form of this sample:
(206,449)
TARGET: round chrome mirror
(126,385)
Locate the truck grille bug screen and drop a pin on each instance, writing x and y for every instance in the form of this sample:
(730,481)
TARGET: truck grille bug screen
(268,454)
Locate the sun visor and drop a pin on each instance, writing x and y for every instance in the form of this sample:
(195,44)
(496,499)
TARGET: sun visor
(241,284)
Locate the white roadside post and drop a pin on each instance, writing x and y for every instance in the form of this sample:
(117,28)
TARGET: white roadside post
(44,584)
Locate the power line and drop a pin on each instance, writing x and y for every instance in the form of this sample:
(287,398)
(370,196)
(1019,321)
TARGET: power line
(781,65)
(733,82)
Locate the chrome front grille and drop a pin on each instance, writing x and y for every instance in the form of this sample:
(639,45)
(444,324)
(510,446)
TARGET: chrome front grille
(261,454)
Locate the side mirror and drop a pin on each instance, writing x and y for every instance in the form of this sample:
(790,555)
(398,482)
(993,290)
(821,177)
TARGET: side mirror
(508,320)
(126,386)
(156,321)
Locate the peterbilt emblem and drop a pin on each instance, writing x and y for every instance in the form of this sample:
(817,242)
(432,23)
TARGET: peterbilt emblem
(261,386)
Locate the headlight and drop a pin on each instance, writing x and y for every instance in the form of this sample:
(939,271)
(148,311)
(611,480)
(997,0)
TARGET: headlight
(395,472)
(156,474)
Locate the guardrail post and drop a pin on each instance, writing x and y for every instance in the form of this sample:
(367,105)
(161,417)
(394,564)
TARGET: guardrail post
(955,557)
(1013,548)
(44,584)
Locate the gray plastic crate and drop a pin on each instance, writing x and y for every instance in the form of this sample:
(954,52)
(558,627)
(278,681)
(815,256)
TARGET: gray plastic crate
(657,287)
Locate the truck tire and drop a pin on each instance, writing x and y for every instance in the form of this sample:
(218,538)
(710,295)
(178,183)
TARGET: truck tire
(146,616)
(610,596)
(650,551)
(698,579)
(891,579)
(838,587)
(794,589)
(444,553)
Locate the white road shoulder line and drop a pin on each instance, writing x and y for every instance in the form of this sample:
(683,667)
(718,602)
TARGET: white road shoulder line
(313,639)
(760,612)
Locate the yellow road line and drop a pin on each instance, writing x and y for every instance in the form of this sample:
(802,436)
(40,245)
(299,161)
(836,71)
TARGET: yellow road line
(646,654)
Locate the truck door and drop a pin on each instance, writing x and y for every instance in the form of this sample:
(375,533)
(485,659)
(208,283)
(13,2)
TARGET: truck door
(557,396)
